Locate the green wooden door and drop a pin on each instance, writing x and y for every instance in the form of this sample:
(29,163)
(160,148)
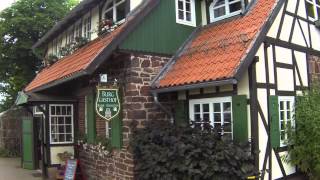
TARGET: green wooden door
(27,143)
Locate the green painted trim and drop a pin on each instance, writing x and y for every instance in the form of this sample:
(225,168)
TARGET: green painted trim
(27,143)
(240,118)
(116,132)
(159,32)
(91,118)
(274,124)
(181,116)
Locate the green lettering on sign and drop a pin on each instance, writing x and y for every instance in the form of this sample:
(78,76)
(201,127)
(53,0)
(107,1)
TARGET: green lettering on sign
(107,103)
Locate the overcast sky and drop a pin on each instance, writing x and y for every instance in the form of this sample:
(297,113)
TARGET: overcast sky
(5,3)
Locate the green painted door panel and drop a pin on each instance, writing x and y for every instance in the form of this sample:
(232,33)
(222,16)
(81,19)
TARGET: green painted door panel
(91,118)
(27,143)
(181,116)
(240,118)
(274,127)
(159,32)
(116,132)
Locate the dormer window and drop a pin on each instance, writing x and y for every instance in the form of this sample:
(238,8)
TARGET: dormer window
(115,10)
(313,9)
(185,12)
(221,9)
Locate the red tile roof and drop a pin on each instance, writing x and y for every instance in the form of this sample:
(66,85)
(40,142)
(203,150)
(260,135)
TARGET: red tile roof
(74,63)
(216,51)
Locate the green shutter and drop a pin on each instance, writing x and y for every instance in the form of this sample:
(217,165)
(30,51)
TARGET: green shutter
(181,113)
(91,118)
(240,118)
(27,143)
(116,132)
(274,117)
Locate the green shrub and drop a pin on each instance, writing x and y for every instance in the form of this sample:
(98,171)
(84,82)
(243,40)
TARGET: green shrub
(305,152)
(6,153)
(164,151)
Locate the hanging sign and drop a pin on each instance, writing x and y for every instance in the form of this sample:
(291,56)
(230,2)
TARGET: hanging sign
(107,103)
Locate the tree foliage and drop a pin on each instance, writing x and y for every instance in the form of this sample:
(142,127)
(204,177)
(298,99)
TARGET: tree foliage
(21,26)
(163,151)
(305,138)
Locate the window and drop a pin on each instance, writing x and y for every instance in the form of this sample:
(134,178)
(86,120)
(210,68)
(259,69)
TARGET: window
(286,120)
(313,9)
(185,12)
(115,10)
(55,47)
(221,9)
(71,36)
(61,124)
(213,111)
(78,30)
(37,111)
(87,28)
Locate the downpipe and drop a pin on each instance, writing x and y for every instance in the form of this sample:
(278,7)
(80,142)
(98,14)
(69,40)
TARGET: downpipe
(168,112)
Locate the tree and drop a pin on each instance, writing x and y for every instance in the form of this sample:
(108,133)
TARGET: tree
(21,26)
(305,137)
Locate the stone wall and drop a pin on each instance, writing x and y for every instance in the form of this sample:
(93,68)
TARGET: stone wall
(10,130)
(134,72)
(314,67)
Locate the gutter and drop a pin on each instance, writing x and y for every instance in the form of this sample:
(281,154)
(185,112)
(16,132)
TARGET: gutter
(195,86)
(156,100)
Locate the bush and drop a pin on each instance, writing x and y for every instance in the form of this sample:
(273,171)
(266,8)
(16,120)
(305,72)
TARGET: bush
(163,151)
(6,153)
(305,152)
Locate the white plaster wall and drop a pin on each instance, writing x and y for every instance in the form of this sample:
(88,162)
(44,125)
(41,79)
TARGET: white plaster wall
(285,79)
(291,7)
(134,4)
(271,65)
(286,28)
(263,136)
(243,85)
(298,34)
(260,66)
(289,169)
(302,9)
(54,151)
(284,55)
(315,35)
(302,65)
(275,26)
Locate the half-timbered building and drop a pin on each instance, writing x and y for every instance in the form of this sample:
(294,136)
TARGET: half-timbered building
(236,64)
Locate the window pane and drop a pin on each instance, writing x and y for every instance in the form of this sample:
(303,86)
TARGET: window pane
(310,10)
(61,129)
(180,5)
(219,12)
(235,7)
(68,137)
(53,138)
(226,107)
(53,110)
(219,2)
(58,110)
(53,120)
(197,117)
(227,117)
(188,7)
(53,129)
(288,115)
(61,120)
(216,107)
(281,115)
(68,110)
(282,135)
(197,108)
(227,128)
(217,117)
(109,15)
(121,11)
(68,120)
(281,105)
(205,107)
(288,105)
(63,109)
(188,16)
(181,15)
(318,9)
(62,138)
(282,125)
(68,129)
(318,2)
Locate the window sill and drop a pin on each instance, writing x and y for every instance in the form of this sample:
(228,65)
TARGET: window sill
(193,24)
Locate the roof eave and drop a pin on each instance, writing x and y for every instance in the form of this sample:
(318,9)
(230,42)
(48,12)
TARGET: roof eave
(195,86)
